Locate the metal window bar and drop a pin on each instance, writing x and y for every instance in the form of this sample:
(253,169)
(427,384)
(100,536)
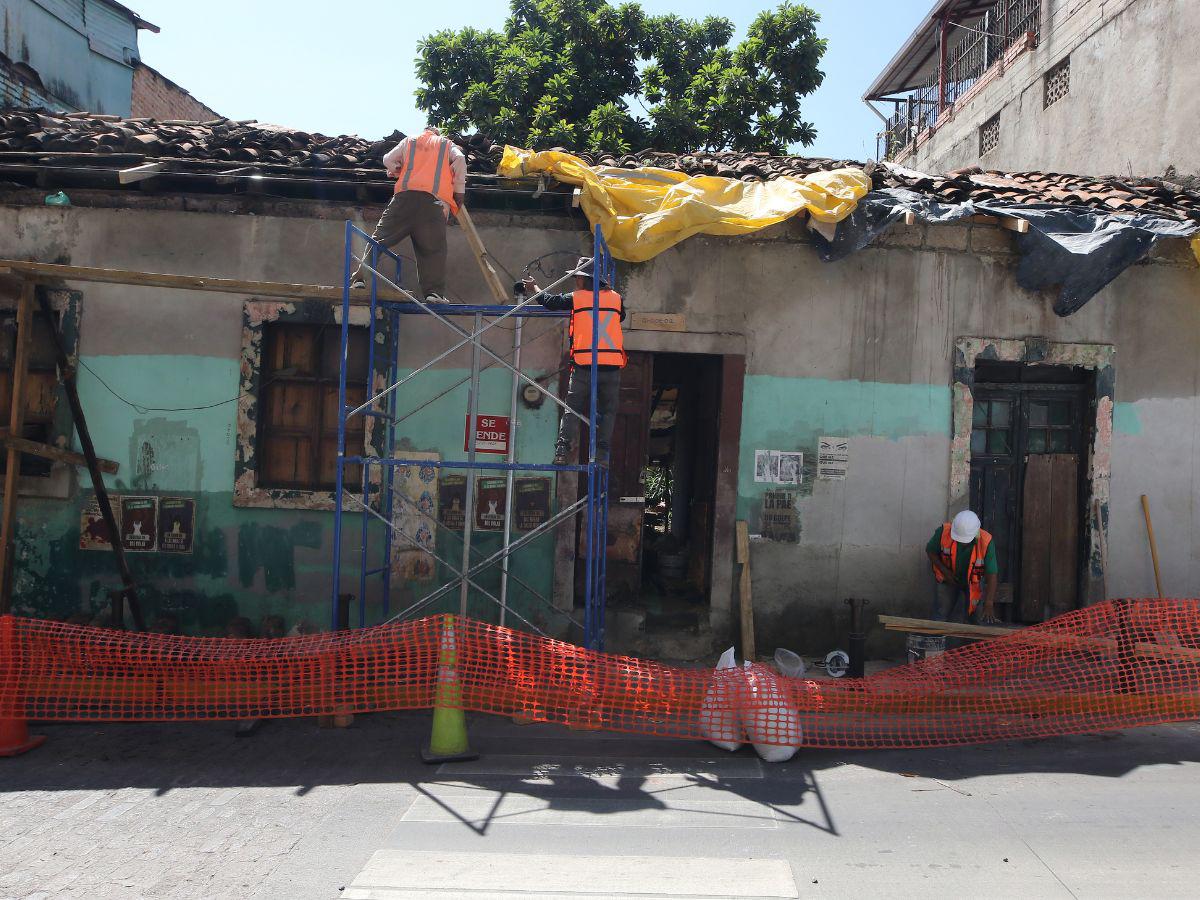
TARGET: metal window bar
(378,483)
(970,52)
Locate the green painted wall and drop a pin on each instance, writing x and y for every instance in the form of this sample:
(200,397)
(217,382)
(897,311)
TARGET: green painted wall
(246,562)
(794,413)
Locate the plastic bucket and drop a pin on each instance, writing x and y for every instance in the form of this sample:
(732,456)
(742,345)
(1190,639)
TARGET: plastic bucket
(925,646)
(789,663)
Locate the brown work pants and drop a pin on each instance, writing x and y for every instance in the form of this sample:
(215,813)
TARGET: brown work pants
(416,215)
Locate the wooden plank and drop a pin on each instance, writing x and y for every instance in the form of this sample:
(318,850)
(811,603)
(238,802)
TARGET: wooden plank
(333,294)
(490,275)
(45,451)
(1063,562)
(16,423)
(1008,223)
(985,632)
(953,629)
(1035,538)
(140,173)
(744,591)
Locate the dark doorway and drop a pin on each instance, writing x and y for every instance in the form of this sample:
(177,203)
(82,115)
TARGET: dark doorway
(1028,480)
(662,488)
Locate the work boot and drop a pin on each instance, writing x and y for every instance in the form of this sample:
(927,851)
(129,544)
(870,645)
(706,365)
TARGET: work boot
(435,298)
(561,452)
(357,284)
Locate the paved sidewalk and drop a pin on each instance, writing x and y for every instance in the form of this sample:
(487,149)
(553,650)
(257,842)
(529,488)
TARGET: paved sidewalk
(154,811)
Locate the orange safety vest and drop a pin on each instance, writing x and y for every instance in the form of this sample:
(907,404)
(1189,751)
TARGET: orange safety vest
(975,571)
(427,168)
(610,348)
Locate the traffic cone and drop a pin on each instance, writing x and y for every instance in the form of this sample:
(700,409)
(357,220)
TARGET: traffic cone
(15,738)
(448,741)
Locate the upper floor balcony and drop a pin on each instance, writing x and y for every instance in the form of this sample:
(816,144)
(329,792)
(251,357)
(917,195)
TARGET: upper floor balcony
(957,49)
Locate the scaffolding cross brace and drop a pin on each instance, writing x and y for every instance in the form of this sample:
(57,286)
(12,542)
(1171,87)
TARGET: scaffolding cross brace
(377,473)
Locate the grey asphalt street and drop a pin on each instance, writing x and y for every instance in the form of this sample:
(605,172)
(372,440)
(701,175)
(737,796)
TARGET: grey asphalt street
(133,811)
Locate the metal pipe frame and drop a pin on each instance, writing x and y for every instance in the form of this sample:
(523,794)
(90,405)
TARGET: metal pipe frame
(466,578)
(594,502)
(468,338)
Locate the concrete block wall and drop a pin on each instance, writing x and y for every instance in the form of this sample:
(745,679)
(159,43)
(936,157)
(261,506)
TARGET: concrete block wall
(1131,108)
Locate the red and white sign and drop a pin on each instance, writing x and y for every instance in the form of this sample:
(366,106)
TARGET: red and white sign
(491,434)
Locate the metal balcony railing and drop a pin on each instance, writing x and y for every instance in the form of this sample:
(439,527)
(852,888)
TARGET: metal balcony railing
(970,51)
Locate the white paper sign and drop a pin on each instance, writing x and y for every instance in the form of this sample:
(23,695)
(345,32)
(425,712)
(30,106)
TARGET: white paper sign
(791,467)
(833,458)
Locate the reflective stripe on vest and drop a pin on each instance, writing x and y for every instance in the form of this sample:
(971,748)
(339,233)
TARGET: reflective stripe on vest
(427,168)
(975,571)
(610,341)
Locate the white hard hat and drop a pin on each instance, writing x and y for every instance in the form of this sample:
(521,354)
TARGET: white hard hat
(965,527)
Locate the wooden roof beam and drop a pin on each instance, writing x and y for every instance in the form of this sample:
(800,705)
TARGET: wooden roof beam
(332,293)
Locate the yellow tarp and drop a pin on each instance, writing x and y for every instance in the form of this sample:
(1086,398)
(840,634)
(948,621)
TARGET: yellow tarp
(1196,248)
(644,211)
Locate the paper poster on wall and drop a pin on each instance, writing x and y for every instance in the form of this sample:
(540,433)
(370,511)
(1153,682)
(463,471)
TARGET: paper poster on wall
(791,467)
(93,531)
(766,466)
(452,501)
(176,524)
(414,512)
(489,503)
(531,506)
(833,458)
(139,518)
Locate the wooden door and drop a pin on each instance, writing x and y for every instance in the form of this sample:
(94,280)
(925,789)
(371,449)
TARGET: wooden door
(1049,535)
(627,507)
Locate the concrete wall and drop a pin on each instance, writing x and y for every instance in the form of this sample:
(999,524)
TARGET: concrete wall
(862,348)
(1132,107)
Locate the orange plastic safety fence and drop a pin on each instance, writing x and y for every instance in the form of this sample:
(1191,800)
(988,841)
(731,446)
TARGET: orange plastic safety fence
(1113,665)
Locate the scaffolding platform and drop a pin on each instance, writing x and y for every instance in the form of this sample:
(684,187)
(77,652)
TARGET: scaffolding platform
(374,496)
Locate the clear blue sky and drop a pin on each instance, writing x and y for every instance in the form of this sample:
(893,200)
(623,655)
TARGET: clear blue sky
(349,70)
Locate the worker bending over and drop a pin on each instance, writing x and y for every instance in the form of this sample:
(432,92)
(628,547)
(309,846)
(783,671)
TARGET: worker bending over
(431,185)
(965,570)
(610,359)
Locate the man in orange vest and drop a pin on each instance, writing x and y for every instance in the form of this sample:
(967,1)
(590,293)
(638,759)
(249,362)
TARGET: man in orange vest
(610,359)
(963,557)
(431,184)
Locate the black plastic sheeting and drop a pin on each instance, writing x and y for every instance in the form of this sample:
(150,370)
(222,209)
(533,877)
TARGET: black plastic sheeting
(1076,250)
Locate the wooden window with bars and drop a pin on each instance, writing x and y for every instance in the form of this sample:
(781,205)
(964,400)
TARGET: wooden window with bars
(298,405)
(41,382)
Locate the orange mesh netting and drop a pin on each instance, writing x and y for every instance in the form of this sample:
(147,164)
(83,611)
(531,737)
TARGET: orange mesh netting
(1113,665)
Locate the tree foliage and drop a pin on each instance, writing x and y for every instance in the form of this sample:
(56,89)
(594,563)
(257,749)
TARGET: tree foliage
(566,72)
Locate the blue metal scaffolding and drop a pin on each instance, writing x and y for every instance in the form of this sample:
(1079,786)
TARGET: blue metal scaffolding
(376,496)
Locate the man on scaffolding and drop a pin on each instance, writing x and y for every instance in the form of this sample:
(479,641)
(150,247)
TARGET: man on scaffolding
(610,359)
(431,184)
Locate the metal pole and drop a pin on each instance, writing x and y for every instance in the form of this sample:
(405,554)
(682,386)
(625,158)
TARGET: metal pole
(510,477)
(590,563)
(373,254)
(341,438)
(390,451)
(472,436)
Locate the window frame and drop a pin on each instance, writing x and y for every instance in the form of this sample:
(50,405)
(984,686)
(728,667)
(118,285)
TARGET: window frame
(256,315)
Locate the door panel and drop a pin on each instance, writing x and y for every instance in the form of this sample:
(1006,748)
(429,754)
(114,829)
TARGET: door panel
(625,516)
(1036,524)
(1050,536)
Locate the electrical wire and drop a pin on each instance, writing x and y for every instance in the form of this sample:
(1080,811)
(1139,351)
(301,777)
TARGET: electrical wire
(149,409)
